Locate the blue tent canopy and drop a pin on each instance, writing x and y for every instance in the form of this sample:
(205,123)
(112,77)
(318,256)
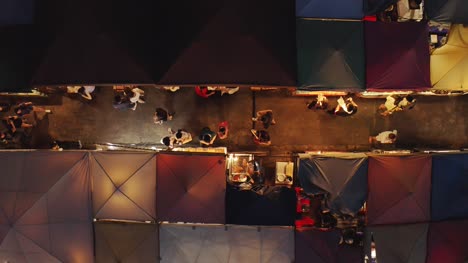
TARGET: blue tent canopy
(16,12)
(454,11)
(344,9)
(343,179)
(449,186)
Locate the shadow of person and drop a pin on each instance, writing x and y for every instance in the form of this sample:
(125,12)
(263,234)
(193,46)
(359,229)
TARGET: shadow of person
(39,136)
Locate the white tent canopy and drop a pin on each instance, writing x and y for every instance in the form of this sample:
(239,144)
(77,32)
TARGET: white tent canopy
(124,186)
(45,213)
(210,244)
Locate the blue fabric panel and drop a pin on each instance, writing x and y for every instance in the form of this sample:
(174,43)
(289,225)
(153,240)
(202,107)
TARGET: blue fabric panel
(449,187)
(344,9)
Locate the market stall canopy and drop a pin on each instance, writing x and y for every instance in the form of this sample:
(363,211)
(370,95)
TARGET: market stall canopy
(399,189)
(454,11)
(214,243)
(46,207)
(191,187)
(344,180)
(17,12)
(348,9)
(447,242)
(121,242)
(372,7)
(397,243)
(276,206)
(20,56)
(240,42)
(330,55)
(397,56)
(85,51)
(449,63)
(449,183)
(323,247)
(124,186)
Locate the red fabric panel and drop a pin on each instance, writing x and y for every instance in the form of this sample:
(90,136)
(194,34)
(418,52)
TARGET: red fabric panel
(191,188)
(399,189)
(448,242)
(397,56)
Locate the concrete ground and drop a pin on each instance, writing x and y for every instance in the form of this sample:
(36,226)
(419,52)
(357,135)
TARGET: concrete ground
(435,122)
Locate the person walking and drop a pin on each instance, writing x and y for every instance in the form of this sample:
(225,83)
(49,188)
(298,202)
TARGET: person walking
(25,108)
(384,138)
(344,107)
(207,137)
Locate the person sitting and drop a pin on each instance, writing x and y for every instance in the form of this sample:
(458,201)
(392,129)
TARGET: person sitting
(266,117)
(161,115)
(135,95)
(182,137)
(321,103)
(261,137)
(122,103)
(13,123)
(84,91)
(168,141)
(203,92)
(223,130)
(386,137)
(345,107)
(207,137)
(407,102)
(25,108)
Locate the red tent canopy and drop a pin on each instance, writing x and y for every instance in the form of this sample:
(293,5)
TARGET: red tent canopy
(399,189)
(448,242)
(397,56)
(191,188)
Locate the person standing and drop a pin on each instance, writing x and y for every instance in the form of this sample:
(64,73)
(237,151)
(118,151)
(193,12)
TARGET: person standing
(204,92)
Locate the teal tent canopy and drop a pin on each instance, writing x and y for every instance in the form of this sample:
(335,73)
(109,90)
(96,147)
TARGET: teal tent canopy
(330,55)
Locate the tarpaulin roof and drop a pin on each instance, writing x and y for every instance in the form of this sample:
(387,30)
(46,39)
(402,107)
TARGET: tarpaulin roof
(121,242)
(372,7)
(124,186)
(397,56)
(330,54)
(454,11)
(449,181)
(19,57)
(277,206)
(348,9)
(16,12)
(449,63)
(447,242)
(399,189)
(233,42)
(397,243)
(191,188)
(323,247)
(191,244)
(344,179)
(45,213)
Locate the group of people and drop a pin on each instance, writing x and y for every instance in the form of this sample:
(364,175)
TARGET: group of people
(395,103)
(261,136)
(128,98)
(12,127)
(84,91)
(344,107)
(207,91)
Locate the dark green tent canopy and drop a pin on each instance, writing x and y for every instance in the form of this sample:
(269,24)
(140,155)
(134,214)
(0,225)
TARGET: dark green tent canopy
(330,55)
